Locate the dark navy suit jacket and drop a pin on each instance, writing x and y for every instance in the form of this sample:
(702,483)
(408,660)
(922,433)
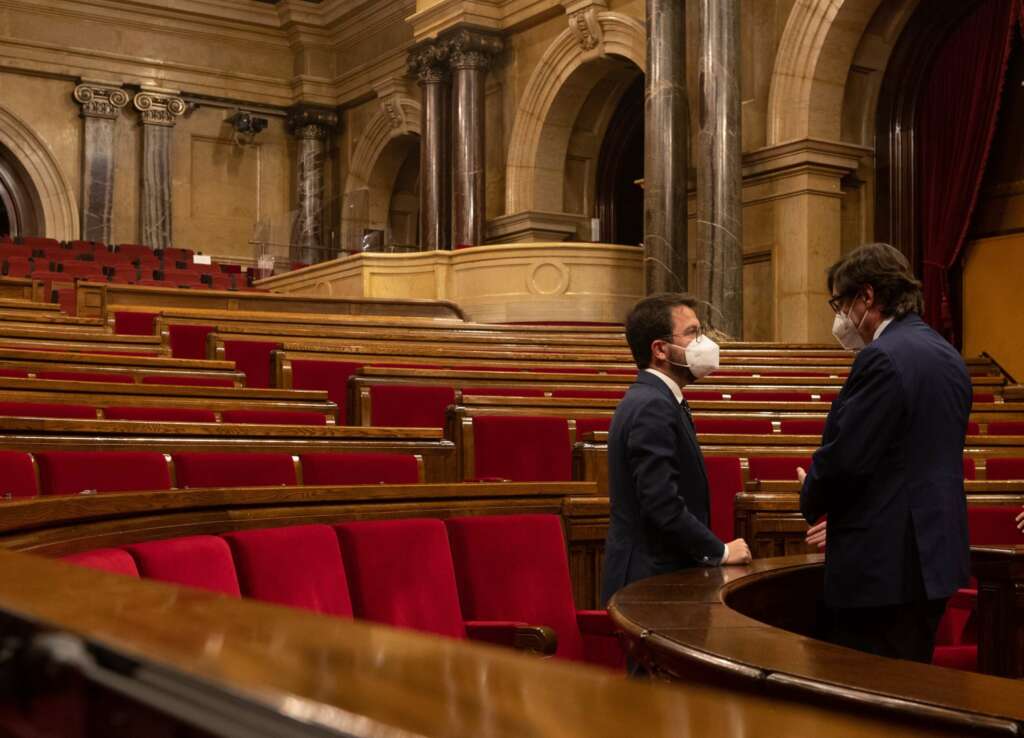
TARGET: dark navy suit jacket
(889,473)
(658,487)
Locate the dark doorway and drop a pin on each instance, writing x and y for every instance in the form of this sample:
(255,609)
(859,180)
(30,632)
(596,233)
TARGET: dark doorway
(620,200)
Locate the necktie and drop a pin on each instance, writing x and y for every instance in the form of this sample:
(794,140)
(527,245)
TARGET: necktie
(685,406)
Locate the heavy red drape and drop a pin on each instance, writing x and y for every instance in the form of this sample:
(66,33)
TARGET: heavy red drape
(957,115)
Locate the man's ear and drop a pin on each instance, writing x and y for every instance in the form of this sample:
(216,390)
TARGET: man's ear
(869,296)
(655,350)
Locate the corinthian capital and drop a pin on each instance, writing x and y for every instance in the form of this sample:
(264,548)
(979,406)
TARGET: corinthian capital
(158,108)
(100,100)
(429,62)
(472,49)
(306,121)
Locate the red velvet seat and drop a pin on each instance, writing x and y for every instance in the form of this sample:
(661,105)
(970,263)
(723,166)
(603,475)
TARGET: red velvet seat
(973,428)
(984,397)
(400,573)
(71,472)
(802,427)
(736,426)
(771,396)
(188,381)
(1006,428)
(254,359)
(196,469)
(522,448)
(725,481)
(502,391)
(409,406)
(161,414)
(113,560)
(692,395)
(46,410)
(274,417)
(86,377)
(14,373)
(331,376)
(1004,468)
(194,561)
(298,566)
(188,341)
(777,467)
(135,324)
(587,394)
(19,477)
(361,468)
(970,469)
(592,425)
(534,586)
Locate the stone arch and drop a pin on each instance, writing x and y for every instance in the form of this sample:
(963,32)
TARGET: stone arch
(563,77)
(48,190)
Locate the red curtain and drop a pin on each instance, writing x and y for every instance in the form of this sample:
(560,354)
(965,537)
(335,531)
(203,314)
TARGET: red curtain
(957,115)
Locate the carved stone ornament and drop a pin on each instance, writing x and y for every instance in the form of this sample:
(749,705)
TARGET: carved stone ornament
(100,101)
(429,63)
(587,28)
(472,50)
(158,109)
(311,123)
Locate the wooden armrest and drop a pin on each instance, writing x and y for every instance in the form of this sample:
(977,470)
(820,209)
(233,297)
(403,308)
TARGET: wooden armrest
(595,623)
(538,639)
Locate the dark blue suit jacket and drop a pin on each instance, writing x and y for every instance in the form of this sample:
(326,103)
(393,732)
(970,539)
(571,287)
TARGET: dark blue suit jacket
(889,473)
(658,487)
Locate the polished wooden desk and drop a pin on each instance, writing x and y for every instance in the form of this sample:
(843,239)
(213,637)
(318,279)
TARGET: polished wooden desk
(1000,574)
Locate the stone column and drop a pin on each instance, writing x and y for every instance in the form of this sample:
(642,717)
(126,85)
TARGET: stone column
(470,58)
(311,126)
(667,135)
(101,106)
(720,168)
(158,111)
(430,64)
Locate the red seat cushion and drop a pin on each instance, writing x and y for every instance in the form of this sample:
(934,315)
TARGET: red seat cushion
(299,566)
(86,377)
(963,657)
(534,585)
(214,469)
(522,448)
(973,428)
(800,427)
(135,324)
(970,469)
(1006,428)
(503,391)
(15,373)
(1004,468)
(692,395)
(188,381)
(274,417)
(409,406)
(400,573)
(733,425)
(777,467)
(19,475)
(592,425)
(161,414)
(332,376)
(188,341)
(45,410)
(113,560)
(254,359)
(194,561)
(344,468)
(992,525)
(725,481)
(984,397)
(70,472)
(771,396)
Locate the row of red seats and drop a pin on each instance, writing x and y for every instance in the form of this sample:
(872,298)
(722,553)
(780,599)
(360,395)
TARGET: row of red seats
(51,245)
(74,472)
(163,379)
(428,575)
(95,271)
(159,414)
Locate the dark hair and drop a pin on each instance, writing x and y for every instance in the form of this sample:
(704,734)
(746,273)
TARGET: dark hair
(896,289)
(651,319)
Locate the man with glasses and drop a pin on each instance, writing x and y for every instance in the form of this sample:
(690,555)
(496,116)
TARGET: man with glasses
(660,509)
(889,473)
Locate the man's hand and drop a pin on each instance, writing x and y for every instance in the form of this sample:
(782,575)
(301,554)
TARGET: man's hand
(1020,521)
(816,533)
(801,475)
(739,553)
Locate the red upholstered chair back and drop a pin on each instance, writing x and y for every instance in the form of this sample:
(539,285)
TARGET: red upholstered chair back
(18,373)
(161,414)
(332,376)
(114,560)
(970,469)
(777,467)
(589,394)
(1004,468)
(86,377)
(502,391)
(135,324)
(409,406)
(993,526)
(44,410)
(194,561)
(400,573)
(214,469)
(771,396)
(522,448)
(692,395)
(274,417)
(737,426)
(188,381)
(984,397)
(344,468)
(189,341)
(17,475)
(799,427)
(298,566)
(1006,428)
(973,428)
(725,481)
(592,425)
(515,568)
(253,358)
(71,472)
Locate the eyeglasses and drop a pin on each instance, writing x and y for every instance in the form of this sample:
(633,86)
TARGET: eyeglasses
(693,333)
(836,303)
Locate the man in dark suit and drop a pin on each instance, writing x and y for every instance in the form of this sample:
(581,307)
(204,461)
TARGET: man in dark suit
(889,473)
(658,484)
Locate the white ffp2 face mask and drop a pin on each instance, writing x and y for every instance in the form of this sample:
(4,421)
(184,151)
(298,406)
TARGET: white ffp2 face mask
(846,332)
(702,356)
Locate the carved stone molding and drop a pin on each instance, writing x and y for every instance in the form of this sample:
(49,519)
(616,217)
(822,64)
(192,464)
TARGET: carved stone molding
(307,122)
(429,62)
(584,23)
(158,108)
(393,96)
(471,49)
(99,100)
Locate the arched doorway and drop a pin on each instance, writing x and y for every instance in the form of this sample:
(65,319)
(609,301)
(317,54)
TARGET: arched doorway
(394,192)
(620,200)
(20,209)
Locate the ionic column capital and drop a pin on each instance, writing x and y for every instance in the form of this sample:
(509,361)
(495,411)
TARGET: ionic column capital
(100,100)
(158,108)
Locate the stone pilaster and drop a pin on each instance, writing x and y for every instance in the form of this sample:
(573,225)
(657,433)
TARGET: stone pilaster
(101,106)
(719,273)
(158,111)
(311,127)
(470,55)
(430,64)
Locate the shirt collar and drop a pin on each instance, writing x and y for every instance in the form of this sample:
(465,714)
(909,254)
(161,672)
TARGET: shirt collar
(881,327)
(672,384)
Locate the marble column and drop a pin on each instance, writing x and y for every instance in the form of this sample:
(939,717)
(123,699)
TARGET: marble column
(158,112)
(470,57)
(101,106)
(311,127)
(430,64)
(720,168)
(667,134)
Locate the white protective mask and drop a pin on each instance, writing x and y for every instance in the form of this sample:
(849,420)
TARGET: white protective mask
(846,332)
(701,356)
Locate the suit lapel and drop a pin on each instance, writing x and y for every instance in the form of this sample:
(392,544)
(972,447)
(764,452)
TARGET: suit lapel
(688,429)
